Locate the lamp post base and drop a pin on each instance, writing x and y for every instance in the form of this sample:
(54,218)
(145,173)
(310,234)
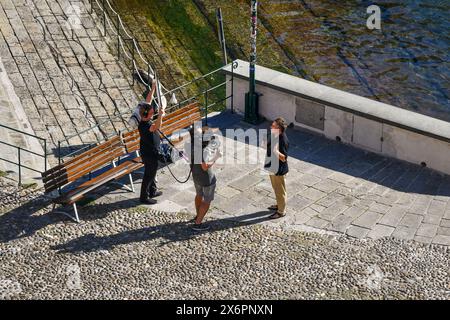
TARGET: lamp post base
(252,108)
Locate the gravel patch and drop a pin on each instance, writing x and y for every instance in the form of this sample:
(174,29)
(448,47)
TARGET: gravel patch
(125,251)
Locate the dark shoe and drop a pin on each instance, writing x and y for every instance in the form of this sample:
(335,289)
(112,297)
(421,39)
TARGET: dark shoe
(156,194)
(148,201)
(200,227)
(274,207)
(277,215)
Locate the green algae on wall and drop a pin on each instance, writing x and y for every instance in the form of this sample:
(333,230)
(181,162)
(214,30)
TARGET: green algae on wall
(179,25)
(178,40)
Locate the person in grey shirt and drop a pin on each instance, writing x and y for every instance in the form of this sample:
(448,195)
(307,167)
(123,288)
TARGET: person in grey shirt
(202,174)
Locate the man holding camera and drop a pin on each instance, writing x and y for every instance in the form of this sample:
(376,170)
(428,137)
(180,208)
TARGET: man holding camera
(203,156)
(149,145)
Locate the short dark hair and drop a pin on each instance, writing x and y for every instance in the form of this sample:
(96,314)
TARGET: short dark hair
(281,123)
(144,104)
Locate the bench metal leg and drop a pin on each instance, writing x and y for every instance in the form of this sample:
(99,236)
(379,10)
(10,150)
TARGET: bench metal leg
(124,186)
(131,183)
(76,212)
(74,218)
(131,188)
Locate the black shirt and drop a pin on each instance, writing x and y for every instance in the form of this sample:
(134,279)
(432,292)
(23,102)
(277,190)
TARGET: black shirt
(150,141)
(283,148)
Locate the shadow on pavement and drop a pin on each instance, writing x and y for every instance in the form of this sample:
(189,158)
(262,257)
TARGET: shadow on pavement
(171,232)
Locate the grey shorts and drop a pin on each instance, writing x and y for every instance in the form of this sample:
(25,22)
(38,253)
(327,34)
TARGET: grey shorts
(207,193)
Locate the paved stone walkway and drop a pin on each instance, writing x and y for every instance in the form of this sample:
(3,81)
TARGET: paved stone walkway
(332,188)
(66,78)
(68,81)
(123,250)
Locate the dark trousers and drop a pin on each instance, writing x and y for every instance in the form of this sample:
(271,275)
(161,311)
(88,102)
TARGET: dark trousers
(148,188)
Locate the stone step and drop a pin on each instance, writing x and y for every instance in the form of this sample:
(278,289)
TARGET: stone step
(67,82)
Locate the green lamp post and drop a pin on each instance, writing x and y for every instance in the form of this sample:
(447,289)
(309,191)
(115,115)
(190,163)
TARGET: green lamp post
(252,97)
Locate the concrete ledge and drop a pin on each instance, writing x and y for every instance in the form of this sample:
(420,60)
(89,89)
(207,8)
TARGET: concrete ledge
(363,107)
(352,119)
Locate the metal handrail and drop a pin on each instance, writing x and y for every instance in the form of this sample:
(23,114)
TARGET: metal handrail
(197,79)
(107,137)
(119,115)
(135,48)
(203,93)
(121,27)
(19,149)
(22,132)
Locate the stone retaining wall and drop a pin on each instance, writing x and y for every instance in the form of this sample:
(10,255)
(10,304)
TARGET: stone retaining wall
(67,80)
(355,120)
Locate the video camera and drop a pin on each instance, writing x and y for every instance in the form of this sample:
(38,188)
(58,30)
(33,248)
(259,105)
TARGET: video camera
(211,141)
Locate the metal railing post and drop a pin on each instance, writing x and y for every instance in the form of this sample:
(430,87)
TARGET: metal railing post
(148,74)
(206,107)
(59,152)
(132,61)
(20,167)
(104,18)
(45,153)
(118,37)
(232,87)
(221,35)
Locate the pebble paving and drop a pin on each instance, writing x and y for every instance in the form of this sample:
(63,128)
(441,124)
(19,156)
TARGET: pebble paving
(125,251)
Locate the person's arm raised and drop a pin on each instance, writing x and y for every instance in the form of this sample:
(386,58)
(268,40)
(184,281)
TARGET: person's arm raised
(151,93)
(161,114)
(158,123)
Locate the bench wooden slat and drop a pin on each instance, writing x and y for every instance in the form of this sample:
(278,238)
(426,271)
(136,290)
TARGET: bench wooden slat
(183,109)
(130,135)
(181,124)
(181,116)
(112,174)
(66,178)
(83,162)
(104,147)
(133,146)
(84,155)
(79,161)
(72,176)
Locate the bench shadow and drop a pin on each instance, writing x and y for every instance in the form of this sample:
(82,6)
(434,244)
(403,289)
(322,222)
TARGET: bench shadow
(23,221)
(170,232)
(315,149)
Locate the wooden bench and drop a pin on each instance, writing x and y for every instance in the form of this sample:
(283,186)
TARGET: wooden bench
(181,118)
(108,156)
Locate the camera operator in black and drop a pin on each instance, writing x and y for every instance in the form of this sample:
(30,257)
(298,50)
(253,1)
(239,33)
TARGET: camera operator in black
(149,146)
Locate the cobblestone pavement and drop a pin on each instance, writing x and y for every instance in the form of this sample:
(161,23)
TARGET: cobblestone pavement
(381,226)
(332,188)
(63,73)
(122,250)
